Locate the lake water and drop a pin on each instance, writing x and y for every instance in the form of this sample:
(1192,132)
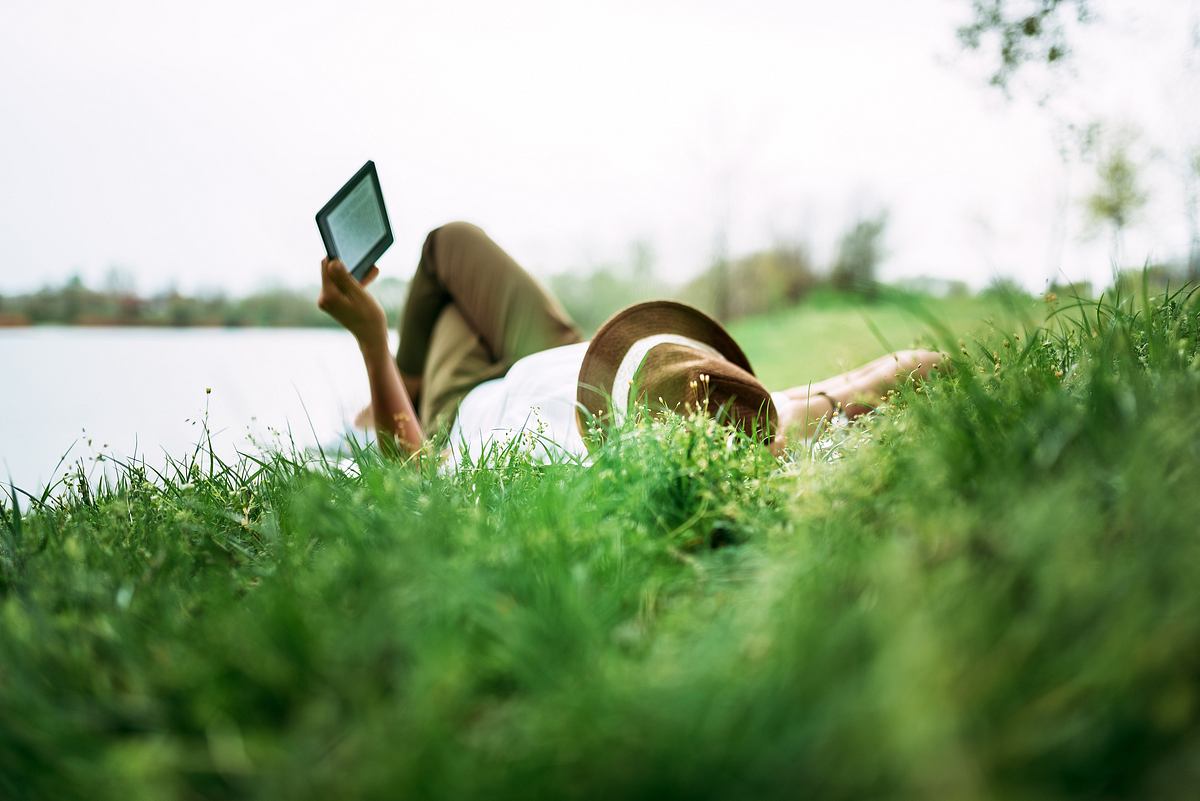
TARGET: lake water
(121,391)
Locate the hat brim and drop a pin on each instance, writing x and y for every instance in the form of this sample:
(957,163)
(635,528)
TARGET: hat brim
(619,333)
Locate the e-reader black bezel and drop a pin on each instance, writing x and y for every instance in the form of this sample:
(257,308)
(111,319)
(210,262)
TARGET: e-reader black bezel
(357,270)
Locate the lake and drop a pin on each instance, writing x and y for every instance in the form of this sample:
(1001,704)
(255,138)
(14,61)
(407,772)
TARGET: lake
(125,391)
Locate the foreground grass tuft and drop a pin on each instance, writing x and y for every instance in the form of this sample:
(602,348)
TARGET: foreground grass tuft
(991,588)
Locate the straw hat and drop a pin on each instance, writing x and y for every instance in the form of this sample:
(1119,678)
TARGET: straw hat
(669,354)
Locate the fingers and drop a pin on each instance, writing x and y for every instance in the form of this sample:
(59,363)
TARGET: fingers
(331,296)
(342,278)
(371,275)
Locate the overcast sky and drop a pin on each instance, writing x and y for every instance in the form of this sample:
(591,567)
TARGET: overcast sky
(193,142)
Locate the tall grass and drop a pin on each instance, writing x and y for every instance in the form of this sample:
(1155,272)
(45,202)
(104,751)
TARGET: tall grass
(989,588)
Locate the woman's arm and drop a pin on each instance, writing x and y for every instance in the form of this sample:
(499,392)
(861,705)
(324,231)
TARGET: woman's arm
(804,409)
(347,301)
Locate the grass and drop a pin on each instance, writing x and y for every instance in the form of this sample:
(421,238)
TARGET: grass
(989,589)
(832,333)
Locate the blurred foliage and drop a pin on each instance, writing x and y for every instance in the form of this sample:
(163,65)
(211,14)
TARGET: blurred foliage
(934,287)
(769,280)
(761,282)
(1151,280)
(1004,288)
(859,253)
(988,589)
(1119,194)
(1192,201)
(1019,32)
(592,296)
(118,303)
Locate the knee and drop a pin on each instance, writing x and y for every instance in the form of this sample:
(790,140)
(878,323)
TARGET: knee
(446,245)
(453,233)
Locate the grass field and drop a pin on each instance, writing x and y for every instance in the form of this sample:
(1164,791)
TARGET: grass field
(834,333)
(988,589)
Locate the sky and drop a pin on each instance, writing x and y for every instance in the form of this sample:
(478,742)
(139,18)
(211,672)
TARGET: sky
(190,144)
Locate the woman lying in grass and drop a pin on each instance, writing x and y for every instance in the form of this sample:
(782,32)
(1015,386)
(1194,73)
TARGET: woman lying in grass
(486,350)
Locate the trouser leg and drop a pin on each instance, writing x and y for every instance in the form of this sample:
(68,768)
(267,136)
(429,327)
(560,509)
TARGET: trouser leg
(500,307)
(457,362)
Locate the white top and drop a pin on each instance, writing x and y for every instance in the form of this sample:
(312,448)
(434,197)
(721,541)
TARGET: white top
(535,400)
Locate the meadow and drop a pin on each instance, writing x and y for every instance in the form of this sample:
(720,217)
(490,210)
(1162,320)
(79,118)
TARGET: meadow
(989,588)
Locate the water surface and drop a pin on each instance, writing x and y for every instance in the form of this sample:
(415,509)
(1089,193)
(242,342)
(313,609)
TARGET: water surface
(84,391)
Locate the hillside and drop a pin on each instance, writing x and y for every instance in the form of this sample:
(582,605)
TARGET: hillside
(989,589)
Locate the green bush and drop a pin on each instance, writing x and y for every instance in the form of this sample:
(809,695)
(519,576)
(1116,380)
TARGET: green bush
(766,281)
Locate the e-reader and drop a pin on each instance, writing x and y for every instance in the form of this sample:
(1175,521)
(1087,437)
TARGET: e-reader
(354,223)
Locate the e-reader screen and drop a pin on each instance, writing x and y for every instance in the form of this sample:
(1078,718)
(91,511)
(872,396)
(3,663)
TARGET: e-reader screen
(354,223)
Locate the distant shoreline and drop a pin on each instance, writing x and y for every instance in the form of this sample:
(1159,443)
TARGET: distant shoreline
(8,323)
(118,305)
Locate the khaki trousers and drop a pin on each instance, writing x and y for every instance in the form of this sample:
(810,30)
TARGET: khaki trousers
(471,313)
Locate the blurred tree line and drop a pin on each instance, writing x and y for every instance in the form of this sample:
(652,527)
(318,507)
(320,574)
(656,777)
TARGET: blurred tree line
(116,302)
(767,280)
(764,281)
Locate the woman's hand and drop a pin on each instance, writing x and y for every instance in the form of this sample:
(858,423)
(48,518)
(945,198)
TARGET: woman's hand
(346,300)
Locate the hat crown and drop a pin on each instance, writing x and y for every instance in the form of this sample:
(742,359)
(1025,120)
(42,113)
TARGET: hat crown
(639,352)
(668,354)
(683,379)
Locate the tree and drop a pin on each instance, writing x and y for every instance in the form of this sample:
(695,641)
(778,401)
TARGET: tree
(859,253)
(591,297)
(75,298)
(720,273)
(1183,95)
(1119,196)
(1192,183)
(764,281)
(1024,31)
(641,260)
(118,281)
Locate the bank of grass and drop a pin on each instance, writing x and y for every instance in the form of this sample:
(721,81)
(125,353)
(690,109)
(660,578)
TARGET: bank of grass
(991,589)
(831,332)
